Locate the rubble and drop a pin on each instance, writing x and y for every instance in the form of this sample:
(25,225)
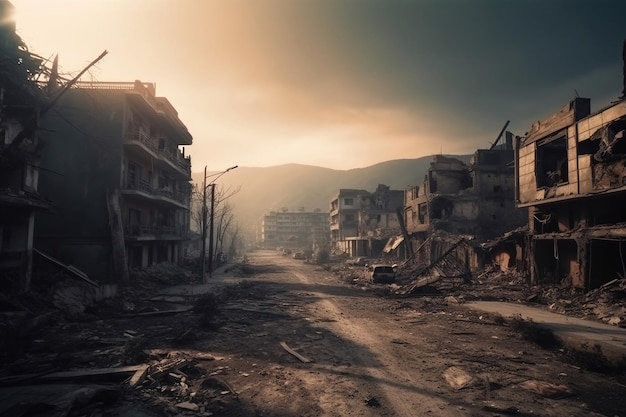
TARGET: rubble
(458,378)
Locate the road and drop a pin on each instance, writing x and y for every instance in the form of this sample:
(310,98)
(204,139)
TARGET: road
(291,339)
(374,355)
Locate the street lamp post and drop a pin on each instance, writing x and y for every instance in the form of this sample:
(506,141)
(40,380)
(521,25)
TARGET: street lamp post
(204,219)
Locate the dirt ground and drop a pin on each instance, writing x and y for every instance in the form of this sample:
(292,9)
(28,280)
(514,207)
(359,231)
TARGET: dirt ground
(282,338)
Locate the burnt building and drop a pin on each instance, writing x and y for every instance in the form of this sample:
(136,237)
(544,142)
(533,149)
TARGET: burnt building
(473,202)
(361,222)
(21,100)
(571,175)
(118,177)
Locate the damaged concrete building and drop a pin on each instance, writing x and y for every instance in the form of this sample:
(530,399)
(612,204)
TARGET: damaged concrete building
(361,222)
(118,177)
(21,100)
(460,202)
(571,175)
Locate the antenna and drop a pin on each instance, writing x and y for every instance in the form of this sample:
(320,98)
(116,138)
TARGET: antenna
(576,92)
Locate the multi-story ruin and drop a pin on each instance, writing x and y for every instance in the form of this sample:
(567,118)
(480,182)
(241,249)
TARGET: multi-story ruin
(457,201)
(571,175)
(118,177)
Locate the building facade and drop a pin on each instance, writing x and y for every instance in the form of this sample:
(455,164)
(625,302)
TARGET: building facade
(293,229)
(21,100)
(118,177)
(571,175)
(474,201)
(361,222)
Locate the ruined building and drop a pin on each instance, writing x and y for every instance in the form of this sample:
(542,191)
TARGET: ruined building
(118,178)
(21,99)
(571,174)
(474,202)
(362,222)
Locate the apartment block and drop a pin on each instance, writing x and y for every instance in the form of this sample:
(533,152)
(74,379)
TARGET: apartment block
(118,176)
(293,229)
(361,222)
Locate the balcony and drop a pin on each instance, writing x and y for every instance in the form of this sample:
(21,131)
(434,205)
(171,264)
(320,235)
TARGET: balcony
(152,232)
(144,189)
(177,159)
(171,159)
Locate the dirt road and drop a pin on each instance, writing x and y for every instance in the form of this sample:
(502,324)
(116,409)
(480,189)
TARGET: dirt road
(292,339)
(373,356)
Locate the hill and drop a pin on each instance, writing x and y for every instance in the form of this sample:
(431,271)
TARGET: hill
(293,185)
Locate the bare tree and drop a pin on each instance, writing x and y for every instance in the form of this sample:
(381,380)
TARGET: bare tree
(223,221)
(223,214)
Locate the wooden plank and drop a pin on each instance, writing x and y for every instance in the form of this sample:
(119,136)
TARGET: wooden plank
(294,353)
(159,313)
(69,268)
(92,372)
(76,374)
(166,368)
(139,376)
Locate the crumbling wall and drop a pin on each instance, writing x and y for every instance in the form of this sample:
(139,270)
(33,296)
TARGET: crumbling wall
(609,175)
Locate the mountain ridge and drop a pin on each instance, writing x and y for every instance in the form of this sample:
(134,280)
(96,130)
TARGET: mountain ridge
(264,189)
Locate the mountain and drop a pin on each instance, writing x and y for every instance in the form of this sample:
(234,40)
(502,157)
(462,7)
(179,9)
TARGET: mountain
(294,186)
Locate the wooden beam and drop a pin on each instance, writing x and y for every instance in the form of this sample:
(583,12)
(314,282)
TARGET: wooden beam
(294,353)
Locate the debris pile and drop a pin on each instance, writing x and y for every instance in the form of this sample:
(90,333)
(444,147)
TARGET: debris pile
(606,303)
(163,274)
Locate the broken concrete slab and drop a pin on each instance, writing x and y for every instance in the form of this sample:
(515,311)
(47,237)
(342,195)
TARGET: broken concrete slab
(457,377)
(547,389)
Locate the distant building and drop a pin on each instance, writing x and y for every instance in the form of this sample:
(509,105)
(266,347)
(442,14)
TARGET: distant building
(475,201)
(571,175)
(118,179)
(293,229)
(361,222)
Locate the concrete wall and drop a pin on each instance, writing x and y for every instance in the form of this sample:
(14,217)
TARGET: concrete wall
(82,154)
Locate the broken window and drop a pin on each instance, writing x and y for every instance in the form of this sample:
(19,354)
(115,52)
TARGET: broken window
(607,141)
(441,208)
(551,162)
(607,212)
(605,261)
(423,212)
(557,260)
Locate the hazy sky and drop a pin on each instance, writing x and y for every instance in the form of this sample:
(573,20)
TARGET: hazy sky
(341,83)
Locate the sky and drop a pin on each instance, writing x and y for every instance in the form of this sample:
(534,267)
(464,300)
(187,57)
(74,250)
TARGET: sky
(341,84)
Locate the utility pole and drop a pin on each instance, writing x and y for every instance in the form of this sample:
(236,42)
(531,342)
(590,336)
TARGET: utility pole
(211,230)
(203,253)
